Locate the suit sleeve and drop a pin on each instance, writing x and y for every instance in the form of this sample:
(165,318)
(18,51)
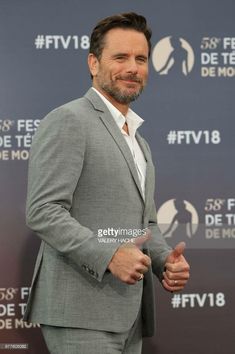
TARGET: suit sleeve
(56,161)
(158,247)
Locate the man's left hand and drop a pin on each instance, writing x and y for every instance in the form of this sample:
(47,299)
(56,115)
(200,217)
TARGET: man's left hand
(176,272)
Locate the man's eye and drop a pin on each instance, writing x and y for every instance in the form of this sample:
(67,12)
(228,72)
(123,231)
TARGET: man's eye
(141,59)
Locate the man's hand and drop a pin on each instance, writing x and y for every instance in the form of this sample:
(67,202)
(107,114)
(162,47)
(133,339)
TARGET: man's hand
(129,263)
(176,272)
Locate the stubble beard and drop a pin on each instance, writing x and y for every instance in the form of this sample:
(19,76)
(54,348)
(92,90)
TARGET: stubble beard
(121,96)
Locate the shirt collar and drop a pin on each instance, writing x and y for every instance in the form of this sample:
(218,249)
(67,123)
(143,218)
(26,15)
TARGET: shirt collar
(133,120)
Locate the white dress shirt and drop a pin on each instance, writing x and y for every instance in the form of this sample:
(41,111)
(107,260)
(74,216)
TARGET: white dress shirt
(134,122)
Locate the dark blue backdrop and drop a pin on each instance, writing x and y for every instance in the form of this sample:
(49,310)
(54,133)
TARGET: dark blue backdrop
(188,107)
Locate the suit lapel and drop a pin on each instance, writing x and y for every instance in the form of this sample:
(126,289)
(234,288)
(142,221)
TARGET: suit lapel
(110,124)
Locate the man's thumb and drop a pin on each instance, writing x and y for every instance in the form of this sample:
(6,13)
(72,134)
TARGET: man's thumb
(139,241)
(177,251)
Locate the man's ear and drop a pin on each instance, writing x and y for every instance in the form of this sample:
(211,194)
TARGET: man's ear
(93,64)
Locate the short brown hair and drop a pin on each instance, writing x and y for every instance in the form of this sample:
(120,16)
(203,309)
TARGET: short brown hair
(128,20)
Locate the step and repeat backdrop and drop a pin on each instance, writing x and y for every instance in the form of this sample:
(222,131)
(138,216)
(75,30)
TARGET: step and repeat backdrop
(188,107)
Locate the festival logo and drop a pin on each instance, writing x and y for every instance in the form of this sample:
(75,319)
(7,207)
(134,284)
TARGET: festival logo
(172,55)
(177,217)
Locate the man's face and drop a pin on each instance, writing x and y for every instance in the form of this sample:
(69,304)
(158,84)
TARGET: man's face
(121,73)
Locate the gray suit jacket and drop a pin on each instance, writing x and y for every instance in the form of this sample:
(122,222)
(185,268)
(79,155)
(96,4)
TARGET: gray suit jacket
(82,178)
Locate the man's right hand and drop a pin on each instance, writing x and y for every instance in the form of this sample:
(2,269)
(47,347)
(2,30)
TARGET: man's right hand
(129,263)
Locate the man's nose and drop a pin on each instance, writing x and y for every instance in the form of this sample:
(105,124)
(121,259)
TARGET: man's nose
(132,66)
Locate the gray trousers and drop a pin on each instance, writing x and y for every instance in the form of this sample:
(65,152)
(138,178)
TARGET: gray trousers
(61,340)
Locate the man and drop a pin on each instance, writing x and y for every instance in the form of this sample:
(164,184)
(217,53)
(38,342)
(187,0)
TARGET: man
(91,177)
